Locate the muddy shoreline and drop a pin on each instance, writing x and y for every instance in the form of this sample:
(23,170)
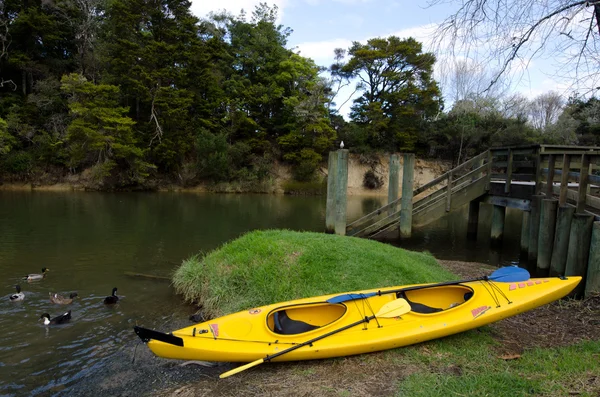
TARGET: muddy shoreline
(136,371)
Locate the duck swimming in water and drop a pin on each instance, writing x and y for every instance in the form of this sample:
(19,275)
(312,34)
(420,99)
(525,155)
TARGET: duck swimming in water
(111,300)
(61,319)
(61,300)
(19,296)
(35,276)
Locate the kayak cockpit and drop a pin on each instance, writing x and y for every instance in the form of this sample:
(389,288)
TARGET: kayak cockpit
(297,319)
(437,299)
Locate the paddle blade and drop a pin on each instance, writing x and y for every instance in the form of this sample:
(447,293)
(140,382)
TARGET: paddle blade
(349,297)
(242,368)
(395,308)
(510,274)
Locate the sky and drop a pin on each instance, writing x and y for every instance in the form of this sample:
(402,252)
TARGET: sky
(320,26)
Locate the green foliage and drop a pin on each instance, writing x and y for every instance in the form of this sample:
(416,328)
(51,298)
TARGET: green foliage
(18,163)
(100,135)
(399,93)
(7,141)
(264,267)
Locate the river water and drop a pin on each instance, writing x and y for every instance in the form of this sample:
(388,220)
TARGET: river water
(90,241)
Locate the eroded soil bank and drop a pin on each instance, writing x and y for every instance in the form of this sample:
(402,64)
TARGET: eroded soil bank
(135,371)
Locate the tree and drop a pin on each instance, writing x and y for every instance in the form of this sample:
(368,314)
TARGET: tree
(545,109)
(100,134)
(399,93)
(515,31)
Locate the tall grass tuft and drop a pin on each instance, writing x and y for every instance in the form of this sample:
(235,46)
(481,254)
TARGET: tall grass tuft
(264,267)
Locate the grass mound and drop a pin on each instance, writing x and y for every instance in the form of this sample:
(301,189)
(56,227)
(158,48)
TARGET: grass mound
(264,267)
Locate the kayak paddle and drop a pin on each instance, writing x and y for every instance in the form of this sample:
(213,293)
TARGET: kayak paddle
(395,308)
(507,274)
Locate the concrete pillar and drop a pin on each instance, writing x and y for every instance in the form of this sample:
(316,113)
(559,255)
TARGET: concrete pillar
(341,187)
(560,247)
(579,249)
(408,179)
(546,236)
(394,181)
(331,180)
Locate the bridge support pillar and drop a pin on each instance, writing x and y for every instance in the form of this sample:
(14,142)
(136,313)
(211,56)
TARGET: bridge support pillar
(592,285)
(546,236)
(406,207)
(331,181)
(577,255)
(497,231)
(394,181)
(525,235)
(534,229)
(473,220)
(561,240)
(341,187)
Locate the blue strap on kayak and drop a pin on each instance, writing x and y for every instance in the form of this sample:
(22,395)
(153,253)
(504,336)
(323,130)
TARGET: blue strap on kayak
(349,297)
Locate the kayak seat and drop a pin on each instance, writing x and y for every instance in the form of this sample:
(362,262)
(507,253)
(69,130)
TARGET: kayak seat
(286,326)
(419,307)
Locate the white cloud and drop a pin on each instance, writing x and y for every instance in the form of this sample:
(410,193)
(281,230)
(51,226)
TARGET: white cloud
(202,8)
(322,51)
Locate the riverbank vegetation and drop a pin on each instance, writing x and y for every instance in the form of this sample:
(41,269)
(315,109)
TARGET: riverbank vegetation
(128,94)
(263,267)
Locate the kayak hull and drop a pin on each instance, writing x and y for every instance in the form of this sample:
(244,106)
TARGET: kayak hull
(257,333)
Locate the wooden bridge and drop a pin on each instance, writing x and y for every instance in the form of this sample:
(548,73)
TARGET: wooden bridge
(556,187)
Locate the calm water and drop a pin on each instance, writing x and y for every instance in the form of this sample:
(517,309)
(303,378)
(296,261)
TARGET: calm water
(89,241)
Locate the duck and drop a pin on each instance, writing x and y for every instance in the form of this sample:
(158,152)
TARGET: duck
(111,300)
(19,296)
(61,300)
(61,319)
(35,276)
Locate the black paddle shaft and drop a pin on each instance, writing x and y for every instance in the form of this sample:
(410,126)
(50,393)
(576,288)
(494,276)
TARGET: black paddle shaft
(318,338)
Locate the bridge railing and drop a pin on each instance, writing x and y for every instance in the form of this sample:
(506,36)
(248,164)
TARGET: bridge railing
(573,176)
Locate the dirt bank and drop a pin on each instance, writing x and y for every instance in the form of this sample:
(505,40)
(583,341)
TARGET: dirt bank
(557,324)
(425,171)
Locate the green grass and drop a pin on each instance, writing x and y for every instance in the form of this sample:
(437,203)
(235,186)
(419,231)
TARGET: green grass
(469,365)
(264,267)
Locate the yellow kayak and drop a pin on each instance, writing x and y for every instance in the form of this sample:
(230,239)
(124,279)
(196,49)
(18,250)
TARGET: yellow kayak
(358,322)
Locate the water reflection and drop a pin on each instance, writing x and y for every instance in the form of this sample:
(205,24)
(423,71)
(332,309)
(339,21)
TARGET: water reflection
(91,240)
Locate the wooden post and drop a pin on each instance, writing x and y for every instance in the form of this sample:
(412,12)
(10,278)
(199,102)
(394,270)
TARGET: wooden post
(394,182)
(560,248)
(538,172)
(406,205)
(449,192)
(341,187)
(331,180)
(579,243)
(525,234)
(583,183)
(550,178)
(592,285)
(546,236)
(509,170)
(490,158)
(477,164)
(497,231)
(534,228)
(473,221)
(564,180)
